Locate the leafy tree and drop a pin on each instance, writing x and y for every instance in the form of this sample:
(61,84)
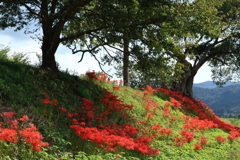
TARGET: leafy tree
(202,32)
(60,21)
(206,32)
(132,42)
(4,52)
(15,57)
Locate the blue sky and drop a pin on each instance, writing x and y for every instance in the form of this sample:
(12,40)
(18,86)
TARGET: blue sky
(20,42)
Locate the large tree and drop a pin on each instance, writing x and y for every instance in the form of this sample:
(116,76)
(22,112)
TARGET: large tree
(207,32)
(202,32)
(56,19)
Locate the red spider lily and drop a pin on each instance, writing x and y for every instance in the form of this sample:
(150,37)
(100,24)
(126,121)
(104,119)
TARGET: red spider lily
(166,111)
(116,88)
(220,138)
(149,89)
(175,103)
(46,101)
(155,127)
(197,146)
(13,133)
(203,140)
(163,131)
(150,115)
(9,135)
(24,118)
(167,104)
(8,114)
(92,75)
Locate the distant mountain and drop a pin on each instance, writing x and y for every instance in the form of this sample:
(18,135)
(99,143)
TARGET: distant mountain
(225,100)
(210,84)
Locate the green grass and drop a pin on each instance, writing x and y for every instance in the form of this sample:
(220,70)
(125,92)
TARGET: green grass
(21,88)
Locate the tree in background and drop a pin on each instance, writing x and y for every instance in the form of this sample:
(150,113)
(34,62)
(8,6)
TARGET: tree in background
(203,32)
(133,38)
(5,54)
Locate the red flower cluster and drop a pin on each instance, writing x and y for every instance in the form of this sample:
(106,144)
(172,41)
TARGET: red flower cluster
(220,138)
(206,118)
(187,136)
(13,133)
(105,122)
(47,100)
(93,76)
(94,123)
(198,125)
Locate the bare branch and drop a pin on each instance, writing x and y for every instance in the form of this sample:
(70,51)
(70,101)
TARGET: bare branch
(88,50)
(100,39)
(107,51)
(81,33)
(100,65)
(81,57)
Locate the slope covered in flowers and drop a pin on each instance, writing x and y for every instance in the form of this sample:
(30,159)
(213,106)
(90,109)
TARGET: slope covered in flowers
(115,125)
(89,117)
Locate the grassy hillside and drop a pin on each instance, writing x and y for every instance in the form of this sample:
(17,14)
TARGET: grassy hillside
(47,115)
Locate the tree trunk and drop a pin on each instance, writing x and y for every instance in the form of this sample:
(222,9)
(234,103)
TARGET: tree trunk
(185,82)
(50,44)
(126,62)
(48,56)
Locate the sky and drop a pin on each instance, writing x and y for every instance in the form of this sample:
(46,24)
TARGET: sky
(20,42)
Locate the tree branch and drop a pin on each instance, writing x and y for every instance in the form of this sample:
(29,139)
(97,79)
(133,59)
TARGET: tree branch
(222,61)
(81,33)
(89,50)
(53,6)
(29,8)
(81,57)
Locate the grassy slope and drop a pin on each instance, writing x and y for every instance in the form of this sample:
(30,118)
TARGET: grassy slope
(21,89)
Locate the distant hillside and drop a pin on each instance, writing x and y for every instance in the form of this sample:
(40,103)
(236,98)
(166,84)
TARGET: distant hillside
(210,84)
(224,100)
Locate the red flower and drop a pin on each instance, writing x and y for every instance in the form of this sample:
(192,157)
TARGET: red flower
(24,118)
(197,146)
(150,115)
(167,104)
(116,88)
(45,101)
(8,114)
(219,137)
(176,103)
(54,102)
(157,126)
